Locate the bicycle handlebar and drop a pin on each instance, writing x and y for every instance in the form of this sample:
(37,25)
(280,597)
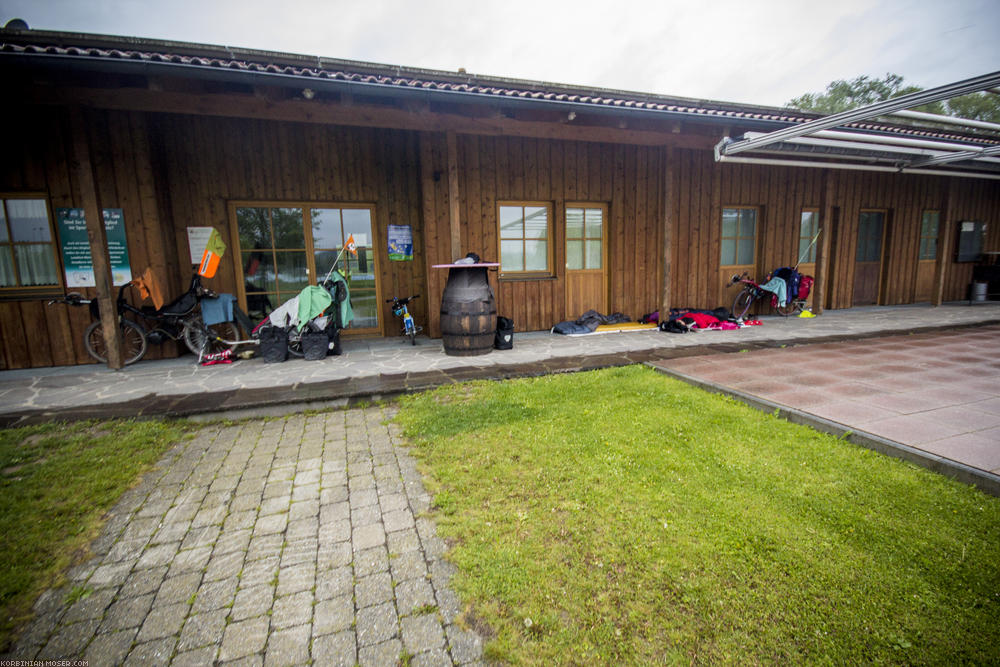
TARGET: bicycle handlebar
(71,299)
(737,278)
(403,300)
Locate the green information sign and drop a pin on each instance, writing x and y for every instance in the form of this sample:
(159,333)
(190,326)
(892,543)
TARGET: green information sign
(76,247)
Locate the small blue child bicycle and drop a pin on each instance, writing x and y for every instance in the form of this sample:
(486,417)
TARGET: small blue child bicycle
(399,309)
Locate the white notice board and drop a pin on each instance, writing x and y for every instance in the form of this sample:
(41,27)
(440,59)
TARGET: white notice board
(197,240)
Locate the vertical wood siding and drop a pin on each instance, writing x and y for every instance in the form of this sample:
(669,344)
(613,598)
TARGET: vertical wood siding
(38,160)
(626,178)
(168,172)
(208,162)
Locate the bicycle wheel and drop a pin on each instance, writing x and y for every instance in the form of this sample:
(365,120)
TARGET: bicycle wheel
(295,343)
(742,303)
(790,308)
(195,335)
(133,345)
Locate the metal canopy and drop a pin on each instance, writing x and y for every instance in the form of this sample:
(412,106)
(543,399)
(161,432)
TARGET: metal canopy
(849,148)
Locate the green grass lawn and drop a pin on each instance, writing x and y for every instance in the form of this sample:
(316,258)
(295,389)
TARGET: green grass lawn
(620,517)
(56,482)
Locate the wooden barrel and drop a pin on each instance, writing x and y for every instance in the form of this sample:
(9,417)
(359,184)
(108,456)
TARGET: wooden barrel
(468,313)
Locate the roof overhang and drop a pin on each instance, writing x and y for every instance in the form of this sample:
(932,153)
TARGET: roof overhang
(787,130)
(818,143)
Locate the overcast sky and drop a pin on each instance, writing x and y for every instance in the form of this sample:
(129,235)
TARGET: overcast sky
(732,50)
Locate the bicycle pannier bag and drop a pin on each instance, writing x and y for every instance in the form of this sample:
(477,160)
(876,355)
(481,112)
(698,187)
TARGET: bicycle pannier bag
(315,345)
(273,344)
(805,285)
(504,339)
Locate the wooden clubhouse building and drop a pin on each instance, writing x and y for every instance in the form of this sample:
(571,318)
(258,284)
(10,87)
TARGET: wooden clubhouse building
(589,199)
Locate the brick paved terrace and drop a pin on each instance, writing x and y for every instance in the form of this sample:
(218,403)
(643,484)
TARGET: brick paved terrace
(285,542)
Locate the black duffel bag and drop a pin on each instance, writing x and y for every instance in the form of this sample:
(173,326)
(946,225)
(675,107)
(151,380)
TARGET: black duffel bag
(273,344)
(504,339)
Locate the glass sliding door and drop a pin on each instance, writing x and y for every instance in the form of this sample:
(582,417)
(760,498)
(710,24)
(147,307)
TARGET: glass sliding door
(273,256)
(330,227)
(284,248)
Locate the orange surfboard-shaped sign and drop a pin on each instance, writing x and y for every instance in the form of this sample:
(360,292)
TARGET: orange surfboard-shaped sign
(214,250)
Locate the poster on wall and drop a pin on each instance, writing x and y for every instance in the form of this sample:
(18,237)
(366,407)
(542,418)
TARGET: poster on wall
(400,243)
(75,247)
(198,241)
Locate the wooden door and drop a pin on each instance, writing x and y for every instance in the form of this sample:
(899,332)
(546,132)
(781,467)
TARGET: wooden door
(930,226)
(868,261)
(924,290)
(586,259)
(738,252)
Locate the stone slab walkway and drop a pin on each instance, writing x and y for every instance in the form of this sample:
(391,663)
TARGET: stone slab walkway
(383,367)
(294,541)
(937,394)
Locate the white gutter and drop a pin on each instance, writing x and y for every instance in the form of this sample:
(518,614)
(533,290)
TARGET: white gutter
(853,167)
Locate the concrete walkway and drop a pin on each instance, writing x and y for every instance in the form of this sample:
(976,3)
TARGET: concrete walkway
(286,542)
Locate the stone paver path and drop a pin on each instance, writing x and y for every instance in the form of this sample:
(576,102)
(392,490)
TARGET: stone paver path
(286,542)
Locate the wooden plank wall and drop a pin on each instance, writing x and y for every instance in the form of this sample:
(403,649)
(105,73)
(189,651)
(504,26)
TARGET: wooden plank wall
(494,169)
(171,171)
(904,198)
(978,200)
(781,193)
(207,162)
(38,160)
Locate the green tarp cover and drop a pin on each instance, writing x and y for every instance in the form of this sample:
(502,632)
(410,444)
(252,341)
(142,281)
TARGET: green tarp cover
(313,300)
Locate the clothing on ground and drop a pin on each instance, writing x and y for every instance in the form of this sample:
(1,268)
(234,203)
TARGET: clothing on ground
(588,322)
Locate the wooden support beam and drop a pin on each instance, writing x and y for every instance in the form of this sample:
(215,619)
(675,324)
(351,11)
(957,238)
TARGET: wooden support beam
(434,251)
(354,114)
(826,210)
(945,236)
(667,224)
(83,167)
(454,209)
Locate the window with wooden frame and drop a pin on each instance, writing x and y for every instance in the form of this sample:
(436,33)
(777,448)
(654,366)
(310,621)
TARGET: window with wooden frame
(284,247)
(808,227)
(585,236)
(28,255)
(930,222)
(525,232)
(739,236)
(871,229)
